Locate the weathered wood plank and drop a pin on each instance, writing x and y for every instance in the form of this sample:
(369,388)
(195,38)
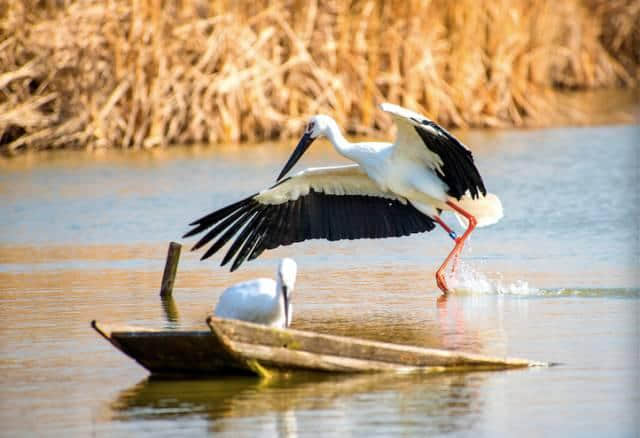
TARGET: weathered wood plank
(286,359)
(243,335)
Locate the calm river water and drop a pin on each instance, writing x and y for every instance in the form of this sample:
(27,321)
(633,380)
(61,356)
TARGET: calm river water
(84,236)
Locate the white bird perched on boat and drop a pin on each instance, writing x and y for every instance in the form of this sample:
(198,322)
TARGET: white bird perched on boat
(262,301)
(395,189)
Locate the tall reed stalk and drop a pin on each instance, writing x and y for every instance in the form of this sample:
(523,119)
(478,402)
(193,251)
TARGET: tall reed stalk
(143,73)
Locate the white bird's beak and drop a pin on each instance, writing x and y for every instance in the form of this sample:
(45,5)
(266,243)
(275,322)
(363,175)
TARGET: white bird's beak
(285,294)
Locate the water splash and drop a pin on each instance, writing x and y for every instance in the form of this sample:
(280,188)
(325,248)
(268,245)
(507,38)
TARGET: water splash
(468,280)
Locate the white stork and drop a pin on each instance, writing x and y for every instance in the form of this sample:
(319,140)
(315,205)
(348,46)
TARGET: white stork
(395,189)
(262,301)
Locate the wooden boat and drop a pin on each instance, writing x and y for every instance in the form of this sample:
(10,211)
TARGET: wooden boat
(237,347)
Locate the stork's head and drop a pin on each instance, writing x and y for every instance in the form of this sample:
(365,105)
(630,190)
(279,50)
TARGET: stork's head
(287,271)
(316,127)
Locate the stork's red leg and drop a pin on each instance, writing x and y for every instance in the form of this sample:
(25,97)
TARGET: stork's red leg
(439,276)
(458,246)
(453,235)
(446,227)
(472,222)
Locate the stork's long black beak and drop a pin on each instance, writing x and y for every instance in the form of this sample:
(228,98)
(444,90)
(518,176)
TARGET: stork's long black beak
(302,147)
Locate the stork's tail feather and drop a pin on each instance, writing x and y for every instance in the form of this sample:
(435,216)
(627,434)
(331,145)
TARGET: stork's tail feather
(486,209)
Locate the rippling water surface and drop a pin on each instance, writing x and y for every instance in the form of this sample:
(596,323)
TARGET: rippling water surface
(84,236)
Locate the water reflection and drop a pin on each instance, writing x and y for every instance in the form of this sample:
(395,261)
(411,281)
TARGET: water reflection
(84,236)
(286,405)
(170,312)
(454,324)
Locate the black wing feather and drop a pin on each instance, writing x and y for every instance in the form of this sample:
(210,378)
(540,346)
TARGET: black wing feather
(244,235)
(222,226)
(229,233)
(251,243)
(206,221)
(314,216)
(458,170)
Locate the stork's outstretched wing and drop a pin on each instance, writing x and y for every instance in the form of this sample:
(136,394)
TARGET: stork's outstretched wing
(330,203)
(422,139)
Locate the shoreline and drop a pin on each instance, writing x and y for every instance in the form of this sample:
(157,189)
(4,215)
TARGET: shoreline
(629,117)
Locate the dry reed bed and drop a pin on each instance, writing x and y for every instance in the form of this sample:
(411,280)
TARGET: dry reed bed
(143,73)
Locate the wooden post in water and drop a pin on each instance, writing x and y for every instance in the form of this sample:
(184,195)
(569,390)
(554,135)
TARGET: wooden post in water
(170,310)
(170,269)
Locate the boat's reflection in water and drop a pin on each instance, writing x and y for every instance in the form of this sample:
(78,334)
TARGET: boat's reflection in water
(287,405)
(302,403)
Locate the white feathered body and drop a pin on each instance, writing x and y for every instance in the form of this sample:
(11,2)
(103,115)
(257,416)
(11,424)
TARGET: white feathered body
(254,301)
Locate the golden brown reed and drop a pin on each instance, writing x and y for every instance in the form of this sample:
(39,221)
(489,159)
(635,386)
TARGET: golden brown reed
(142,73)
